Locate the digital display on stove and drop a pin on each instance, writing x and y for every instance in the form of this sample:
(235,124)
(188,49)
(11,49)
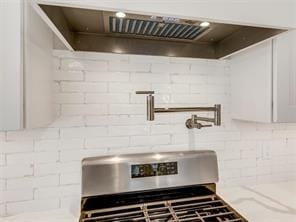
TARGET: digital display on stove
(154,169)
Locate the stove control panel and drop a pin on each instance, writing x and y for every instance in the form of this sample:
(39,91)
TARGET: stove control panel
(154,169)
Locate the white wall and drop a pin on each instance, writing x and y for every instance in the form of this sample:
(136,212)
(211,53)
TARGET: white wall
(279,13)
(1,65)
(11,64)
(100,114)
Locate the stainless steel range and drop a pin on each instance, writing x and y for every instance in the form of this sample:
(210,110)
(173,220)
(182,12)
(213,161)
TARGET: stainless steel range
(176,186)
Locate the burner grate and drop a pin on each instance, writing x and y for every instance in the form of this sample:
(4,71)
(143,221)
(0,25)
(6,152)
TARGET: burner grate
(208,208)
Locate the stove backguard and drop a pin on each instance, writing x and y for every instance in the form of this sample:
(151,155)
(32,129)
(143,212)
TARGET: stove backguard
(141,172)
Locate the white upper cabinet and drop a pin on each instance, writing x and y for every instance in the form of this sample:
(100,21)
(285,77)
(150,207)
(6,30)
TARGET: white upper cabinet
(263,81)
(38,69)
(11,65)
(251,77)
(26,69)
(284,75)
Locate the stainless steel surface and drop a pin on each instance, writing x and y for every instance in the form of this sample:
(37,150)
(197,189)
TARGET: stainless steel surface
(217,114)
(159,29)
(112,174)
(150,108)
(97,30)
(184,109)
(192,122)
(149,103)
(145,92)
(199,209)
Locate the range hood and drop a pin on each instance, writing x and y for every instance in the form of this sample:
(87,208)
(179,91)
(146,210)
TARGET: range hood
(103,31)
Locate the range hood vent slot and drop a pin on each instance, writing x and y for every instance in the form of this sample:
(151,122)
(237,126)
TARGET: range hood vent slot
(157,29)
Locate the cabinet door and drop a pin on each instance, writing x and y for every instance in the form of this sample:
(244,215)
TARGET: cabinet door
(26,44)
(38,45)
(251,83)
(11,65)
(284,74)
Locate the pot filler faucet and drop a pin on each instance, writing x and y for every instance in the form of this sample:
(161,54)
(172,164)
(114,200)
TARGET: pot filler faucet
(190,123)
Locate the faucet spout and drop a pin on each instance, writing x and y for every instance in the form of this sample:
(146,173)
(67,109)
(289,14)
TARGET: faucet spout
(190,123)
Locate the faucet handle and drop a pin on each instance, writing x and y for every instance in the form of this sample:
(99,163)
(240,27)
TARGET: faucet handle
(145,92)
(192,123)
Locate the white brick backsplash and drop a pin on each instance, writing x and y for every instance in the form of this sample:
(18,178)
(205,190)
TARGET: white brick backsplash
(189,79)
(32,205)
(3,184)
(2,210)
(50,192)
(46,145)
(71,202)
(164,129)
(206,69)
(60,75)
(115,120)
(148,59)
(84,109)
(171,68)
(127,109)
(284,134)
(68,121)
(240,163)
(128,67)
(83,132)
(14,171)
(253,135)
(83,87)
(70,178)
(88,65)
(218,79)
(30,158)
(17,195)
(128,130)
(189,98)
(98,113)
(55,168)
(107,98)
(35,134)
(170,88)
(33,182)
(2,159)
(68,98)
(56,87)
(230,173)
(128,87)
(150,77)
(107,77)
(150,140)
(70,144)
(2,136)
(107,142)
(78,155)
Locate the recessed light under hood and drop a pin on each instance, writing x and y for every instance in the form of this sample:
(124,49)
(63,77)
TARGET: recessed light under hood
(102,31)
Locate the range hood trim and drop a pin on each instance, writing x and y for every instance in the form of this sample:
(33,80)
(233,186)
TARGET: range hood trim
(74,41)
(51,25)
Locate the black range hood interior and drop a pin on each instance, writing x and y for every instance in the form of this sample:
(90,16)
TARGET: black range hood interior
(102,31)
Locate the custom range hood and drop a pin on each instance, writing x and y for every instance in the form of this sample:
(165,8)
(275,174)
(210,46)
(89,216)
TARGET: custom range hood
(105,31)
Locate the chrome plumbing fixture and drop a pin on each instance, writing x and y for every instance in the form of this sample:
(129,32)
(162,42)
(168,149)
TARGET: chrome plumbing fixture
(190,123)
